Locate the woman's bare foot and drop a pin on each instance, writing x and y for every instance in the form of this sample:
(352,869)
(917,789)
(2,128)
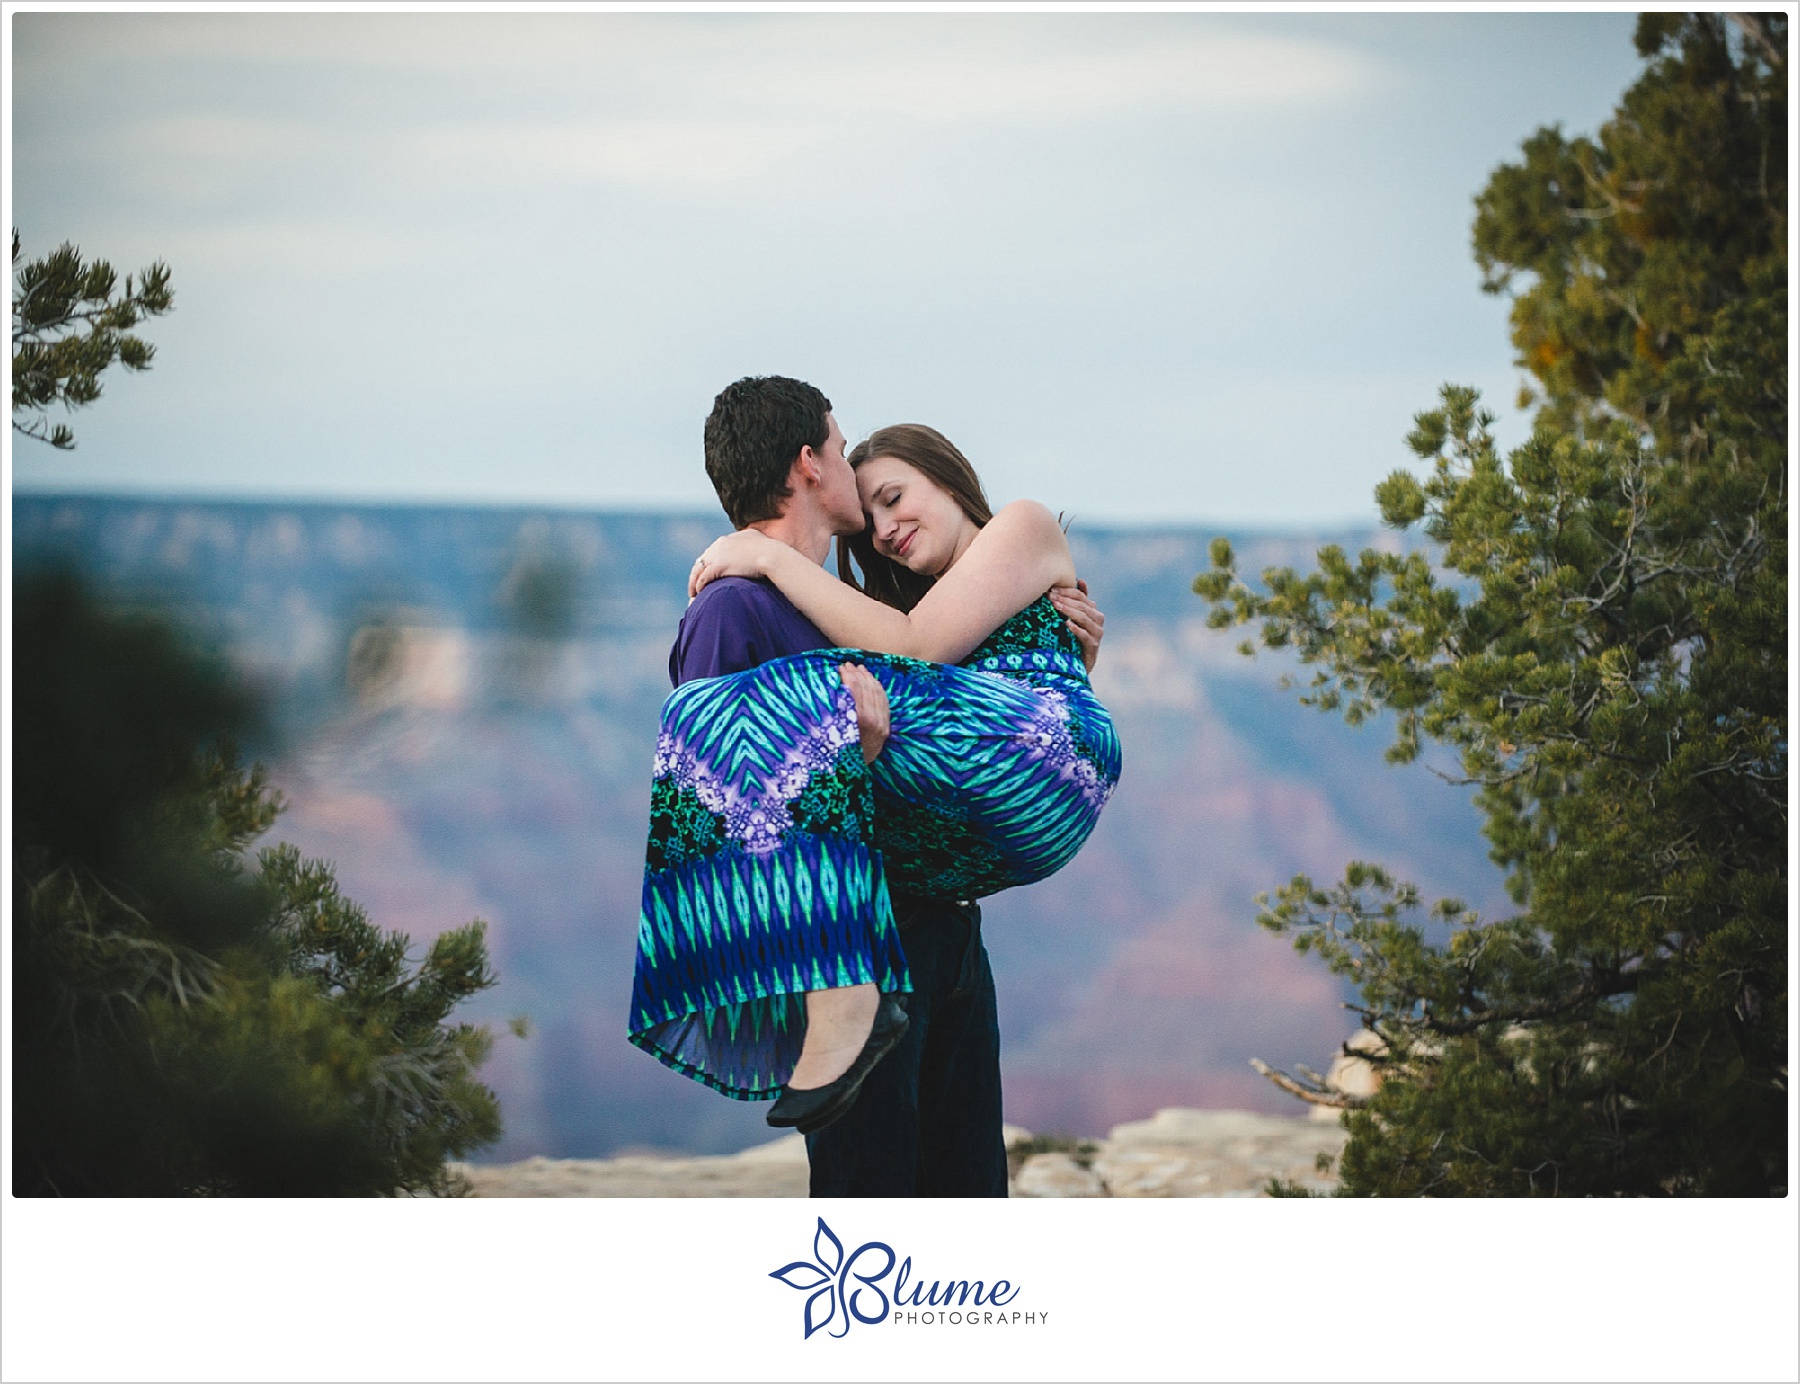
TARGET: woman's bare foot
(837,1025)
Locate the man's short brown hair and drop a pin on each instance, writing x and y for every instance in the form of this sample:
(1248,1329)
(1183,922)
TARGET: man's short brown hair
(753,434)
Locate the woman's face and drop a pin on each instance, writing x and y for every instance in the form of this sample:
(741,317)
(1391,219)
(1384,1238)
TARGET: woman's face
(911,520)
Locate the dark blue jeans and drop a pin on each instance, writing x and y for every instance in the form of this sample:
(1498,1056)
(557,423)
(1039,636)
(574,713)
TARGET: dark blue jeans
(927,1121)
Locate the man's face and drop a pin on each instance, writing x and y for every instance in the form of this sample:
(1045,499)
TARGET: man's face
(837,483)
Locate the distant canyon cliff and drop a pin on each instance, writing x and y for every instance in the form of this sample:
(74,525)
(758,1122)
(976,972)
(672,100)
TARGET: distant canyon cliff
(467,704)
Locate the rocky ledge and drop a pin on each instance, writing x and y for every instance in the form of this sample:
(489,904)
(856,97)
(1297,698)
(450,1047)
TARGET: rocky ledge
(1174,1153)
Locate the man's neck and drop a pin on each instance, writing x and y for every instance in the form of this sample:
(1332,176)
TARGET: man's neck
(805,533)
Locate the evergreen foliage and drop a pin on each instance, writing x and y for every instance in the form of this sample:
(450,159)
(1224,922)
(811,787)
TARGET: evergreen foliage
(69,325)
(1601,643)
(186,1018)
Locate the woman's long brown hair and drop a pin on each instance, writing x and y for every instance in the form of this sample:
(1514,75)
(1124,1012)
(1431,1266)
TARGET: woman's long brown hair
(934,457)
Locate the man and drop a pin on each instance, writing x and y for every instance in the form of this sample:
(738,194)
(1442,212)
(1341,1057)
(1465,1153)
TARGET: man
(928,1119)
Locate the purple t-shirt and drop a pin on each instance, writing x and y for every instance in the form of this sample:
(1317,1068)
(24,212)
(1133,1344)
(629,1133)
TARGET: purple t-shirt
(737,623)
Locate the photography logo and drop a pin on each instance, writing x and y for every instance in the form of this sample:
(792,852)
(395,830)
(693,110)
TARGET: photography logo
(844,1288)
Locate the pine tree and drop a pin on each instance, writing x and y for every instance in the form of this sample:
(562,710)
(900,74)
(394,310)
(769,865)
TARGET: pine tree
(187,1018)
(1597,631)
(70,324)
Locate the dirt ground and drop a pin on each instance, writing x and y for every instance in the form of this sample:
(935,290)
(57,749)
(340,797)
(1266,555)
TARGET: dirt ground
(1175,1153)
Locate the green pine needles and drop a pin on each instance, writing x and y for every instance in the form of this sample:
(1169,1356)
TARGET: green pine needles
(70,324)
(1596,634)
(189,1018)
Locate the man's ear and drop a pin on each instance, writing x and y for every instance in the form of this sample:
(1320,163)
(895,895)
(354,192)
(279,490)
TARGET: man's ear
(805,470)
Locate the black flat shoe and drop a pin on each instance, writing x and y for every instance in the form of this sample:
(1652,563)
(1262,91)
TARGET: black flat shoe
(817,1106)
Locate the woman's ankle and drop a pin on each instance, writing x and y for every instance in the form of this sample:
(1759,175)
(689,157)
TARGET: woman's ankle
(838,1022)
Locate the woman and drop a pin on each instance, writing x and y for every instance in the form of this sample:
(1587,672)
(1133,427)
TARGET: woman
(772,842)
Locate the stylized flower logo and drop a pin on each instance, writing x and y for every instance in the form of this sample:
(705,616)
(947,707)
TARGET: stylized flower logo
(833,1298)
(819,1279)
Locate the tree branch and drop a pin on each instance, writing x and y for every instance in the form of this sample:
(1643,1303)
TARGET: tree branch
(1752,26)
(1337,1100)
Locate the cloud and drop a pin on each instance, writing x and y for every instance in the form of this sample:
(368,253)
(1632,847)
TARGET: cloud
(682,100)
(308,248)
(1143,265)
(934,67)
(1059,69)
(638,151)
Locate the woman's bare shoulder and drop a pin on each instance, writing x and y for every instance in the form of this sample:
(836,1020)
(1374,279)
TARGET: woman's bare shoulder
(1026,519)
(1026,536)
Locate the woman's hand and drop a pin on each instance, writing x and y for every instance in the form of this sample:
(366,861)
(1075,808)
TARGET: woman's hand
(1085,618)
(740,554)
(871,708)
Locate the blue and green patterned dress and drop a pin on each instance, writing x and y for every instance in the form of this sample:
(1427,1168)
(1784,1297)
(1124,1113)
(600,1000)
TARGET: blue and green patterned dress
(773,846)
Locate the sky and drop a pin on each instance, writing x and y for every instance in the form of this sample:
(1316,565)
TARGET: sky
(1146,267)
